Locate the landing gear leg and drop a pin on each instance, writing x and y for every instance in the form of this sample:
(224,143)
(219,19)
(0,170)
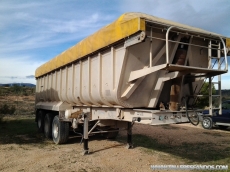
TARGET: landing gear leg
(129,136)
(86,136)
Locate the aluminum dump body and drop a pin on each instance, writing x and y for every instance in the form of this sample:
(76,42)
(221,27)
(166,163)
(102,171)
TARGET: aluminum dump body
(132,63)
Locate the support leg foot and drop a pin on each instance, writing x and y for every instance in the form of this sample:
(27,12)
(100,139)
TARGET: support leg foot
(129,146)
(85,152)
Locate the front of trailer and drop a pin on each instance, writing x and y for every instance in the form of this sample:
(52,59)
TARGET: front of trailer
(142,69)
(169,68)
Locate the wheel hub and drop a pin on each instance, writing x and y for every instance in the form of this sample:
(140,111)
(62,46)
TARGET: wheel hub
(206,123)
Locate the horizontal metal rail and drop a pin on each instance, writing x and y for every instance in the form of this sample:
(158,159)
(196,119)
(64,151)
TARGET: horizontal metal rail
(108,131)
(183,43)
(185,29)
(186,33)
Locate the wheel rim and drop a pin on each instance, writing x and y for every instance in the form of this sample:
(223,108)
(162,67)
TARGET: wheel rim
(206,123)
(55,130)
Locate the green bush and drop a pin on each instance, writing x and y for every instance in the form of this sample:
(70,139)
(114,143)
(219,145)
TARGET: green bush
(6,109)
(25,93)
(16,89)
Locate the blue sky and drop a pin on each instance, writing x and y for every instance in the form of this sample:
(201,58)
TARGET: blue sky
(32,32)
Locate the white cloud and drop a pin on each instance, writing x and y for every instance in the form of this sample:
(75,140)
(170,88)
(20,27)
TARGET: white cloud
(46,32)
(211,15)
(29,26)
(15,79)
(71,26)
(17,69)
(225,84)
(34,30)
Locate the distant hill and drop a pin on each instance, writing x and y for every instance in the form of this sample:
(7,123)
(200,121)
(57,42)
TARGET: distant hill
(20,84)
(225,93)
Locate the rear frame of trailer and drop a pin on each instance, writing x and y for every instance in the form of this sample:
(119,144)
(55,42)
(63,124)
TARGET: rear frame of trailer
(140,68)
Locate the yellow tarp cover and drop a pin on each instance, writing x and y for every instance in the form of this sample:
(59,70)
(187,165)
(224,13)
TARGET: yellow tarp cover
(228,42)
(126,25)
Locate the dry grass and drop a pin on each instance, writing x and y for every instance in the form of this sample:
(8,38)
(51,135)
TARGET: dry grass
(24,105)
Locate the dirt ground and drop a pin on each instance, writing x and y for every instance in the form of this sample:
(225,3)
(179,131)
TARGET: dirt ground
(177,144)
(22,148)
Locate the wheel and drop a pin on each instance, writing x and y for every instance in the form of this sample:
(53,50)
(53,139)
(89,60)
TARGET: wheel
(40,121)
(111,135)
(222,127)
(207,123)
(48,125)
(60,131)
(194,118)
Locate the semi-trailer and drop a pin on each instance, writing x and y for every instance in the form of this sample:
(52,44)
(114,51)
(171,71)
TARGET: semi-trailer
(138,69)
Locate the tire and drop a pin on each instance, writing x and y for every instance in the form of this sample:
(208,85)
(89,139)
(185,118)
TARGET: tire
(60,131)
(48,125)
(40,121)
(111,135)
(222,127)
(207,123)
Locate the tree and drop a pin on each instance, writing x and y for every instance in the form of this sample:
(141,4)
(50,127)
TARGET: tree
(204,101)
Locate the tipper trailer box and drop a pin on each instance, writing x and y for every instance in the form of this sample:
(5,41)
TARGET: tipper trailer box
(139,68)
